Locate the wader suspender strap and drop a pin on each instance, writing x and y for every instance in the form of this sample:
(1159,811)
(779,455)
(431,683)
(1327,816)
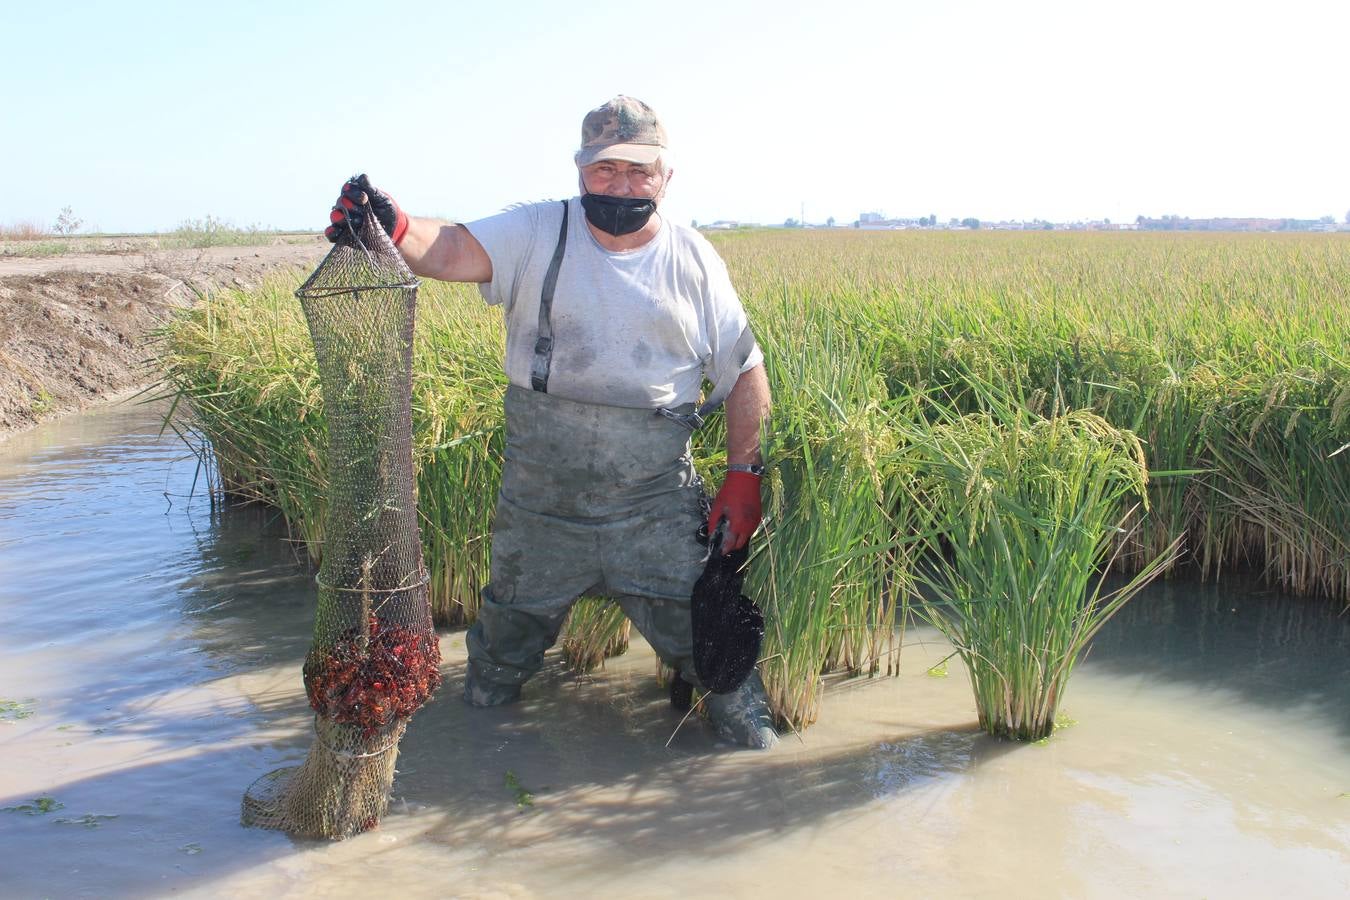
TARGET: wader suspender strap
(745,345)
(543,345)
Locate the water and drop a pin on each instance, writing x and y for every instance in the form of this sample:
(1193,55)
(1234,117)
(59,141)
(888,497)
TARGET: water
(152,646)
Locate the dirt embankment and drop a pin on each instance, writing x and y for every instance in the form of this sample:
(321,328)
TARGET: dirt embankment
(74,329)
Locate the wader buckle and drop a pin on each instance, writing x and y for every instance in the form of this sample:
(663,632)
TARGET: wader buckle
(693,421)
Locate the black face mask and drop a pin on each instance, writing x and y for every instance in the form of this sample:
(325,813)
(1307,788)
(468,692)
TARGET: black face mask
(617,215)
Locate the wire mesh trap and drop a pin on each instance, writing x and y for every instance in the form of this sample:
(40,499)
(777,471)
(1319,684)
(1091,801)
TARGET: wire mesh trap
(375,658)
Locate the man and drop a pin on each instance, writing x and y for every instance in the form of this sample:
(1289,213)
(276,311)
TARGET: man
(614,316)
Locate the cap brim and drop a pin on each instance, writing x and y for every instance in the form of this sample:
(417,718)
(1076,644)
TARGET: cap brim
(642,154)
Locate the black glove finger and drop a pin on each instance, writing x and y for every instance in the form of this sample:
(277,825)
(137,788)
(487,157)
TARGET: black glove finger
(359,189)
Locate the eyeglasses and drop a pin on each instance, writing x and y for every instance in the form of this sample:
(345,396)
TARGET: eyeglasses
(609,173)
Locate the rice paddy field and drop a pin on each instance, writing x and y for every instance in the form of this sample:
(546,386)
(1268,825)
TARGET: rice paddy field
(938,399)
(998,462)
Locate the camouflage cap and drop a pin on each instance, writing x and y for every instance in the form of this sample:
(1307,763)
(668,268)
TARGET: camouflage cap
(624,128)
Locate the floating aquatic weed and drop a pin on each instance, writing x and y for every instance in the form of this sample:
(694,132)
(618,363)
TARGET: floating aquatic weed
(40,806)
(523,797)
(14,710)
(88,820)
(1061,723)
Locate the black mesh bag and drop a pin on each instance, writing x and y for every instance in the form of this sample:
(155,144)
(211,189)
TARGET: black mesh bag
(728,626)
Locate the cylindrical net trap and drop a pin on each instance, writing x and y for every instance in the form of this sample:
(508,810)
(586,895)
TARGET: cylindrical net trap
(375,657)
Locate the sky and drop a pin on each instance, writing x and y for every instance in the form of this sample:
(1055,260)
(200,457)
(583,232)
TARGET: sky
(140,116)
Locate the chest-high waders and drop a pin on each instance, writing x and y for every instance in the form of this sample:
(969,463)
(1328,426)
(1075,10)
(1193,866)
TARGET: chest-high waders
(595,500)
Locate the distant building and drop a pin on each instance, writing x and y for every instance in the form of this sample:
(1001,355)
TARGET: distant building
(875,221)
(1178,223)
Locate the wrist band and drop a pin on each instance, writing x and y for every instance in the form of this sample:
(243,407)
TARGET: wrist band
(753,469)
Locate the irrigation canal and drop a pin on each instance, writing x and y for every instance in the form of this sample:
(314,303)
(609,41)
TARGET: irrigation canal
(151,670)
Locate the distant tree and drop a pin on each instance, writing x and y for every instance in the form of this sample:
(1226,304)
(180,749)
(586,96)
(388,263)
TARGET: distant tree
(1047,226)
(791,223)
(67,222)
(970,222)
(830,221)
(1327,220)
(693,223)
(953,221)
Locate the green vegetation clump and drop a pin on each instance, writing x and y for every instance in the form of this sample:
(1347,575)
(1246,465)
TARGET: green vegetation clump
(1016,518)
(14,710)
(39,806)
(1222,359)
(210,232)
(524,799)
(36,249)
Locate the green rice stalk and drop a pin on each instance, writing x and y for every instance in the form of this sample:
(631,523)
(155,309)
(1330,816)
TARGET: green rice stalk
(596,629)
(1022,515)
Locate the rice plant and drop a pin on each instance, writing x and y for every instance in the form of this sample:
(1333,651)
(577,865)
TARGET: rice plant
(1017,517)
(828,565)
(596,629)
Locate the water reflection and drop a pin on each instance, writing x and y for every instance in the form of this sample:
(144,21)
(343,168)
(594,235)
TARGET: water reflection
(927,757)
(250,600)
(1283,652)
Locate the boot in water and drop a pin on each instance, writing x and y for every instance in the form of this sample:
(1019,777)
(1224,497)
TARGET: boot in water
(743,716)
(480,693)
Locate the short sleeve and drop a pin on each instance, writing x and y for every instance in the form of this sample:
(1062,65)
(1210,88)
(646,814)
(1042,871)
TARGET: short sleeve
(507,238)
(732,344)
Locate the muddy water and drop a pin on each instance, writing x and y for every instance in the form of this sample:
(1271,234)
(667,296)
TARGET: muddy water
(150,658)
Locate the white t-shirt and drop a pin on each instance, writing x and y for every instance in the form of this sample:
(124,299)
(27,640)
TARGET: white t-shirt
(637,328)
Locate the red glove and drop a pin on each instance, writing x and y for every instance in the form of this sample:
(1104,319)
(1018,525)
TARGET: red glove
(351,205)
(738,502)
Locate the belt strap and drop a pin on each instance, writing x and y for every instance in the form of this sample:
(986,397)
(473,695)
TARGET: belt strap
(740,352)
(543,345)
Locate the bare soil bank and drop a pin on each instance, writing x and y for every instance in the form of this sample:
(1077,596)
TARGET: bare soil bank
(75,329)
